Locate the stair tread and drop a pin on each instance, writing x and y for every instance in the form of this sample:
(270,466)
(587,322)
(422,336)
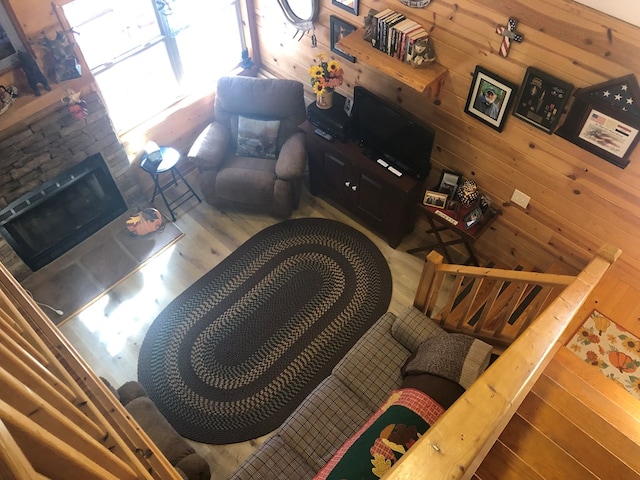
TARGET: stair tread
(602,395)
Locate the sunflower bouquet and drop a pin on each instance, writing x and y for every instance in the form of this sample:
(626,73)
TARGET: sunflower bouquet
(326,74)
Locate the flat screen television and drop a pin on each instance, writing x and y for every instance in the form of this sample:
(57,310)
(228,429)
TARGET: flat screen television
(387,134)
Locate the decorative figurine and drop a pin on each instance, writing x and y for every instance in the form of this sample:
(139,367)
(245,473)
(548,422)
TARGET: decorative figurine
(33,73)
(63,62)
(7,94)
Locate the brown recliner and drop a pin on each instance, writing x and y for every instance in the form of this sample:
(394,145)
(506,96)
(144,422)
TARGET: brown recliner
(236,174)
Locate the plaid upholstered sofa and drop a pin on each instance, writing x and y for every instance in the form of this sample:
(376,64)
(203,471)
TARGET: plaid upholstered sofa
(357,387)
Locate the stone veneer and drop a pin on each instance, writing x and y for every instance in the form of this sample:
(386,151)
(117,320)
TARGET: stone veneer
(51,145)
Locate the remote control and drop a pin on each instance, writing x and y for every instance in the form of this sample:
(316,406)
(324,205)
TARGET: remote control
(323,134)
(396,172)
(449,219)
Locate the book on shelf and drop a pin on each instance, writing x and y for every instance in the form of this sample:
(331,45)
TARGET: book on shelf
(394,33)
(401,31)
(376,25)
(386,24)
(382,22)
(391,32)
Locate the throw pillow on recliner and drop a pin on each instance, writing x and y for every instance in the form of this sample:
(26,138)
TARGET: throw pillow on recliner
(257,138)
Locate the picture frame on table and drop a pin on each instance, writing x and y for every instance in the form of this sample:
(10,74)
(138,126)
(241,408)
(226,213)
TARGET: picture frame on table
(435,199)
(490,97)
(340,29)
(473,217)
(448,183)
(350,6)
(541,99)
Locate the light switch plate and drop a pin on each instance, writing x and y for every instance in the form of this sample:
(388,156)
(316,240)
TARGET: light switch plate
(520,199)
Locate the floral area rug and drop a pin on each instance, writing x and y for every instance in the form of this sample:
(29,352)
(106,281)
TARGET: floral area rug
(611,349)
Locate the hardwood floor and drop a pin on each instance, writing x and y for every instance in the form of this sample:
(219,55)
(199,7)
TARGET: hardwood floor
(108,334)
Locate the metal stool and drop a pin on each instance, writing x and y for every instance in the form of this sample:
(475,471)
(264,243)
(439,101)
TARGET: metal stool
(170,158)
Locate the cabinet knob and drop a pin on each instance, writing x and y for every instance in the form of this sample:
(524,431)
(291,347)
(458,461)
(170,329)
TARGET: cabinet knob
(354,187)
(347,184)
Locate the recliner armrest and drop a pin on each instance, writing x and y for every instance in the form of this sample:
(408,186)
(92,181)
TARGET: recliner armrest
(211,147)
(292,158)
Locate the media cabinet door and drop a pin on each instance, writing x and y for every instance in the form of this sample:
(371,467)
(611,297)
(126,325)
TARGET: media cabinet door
(374,195)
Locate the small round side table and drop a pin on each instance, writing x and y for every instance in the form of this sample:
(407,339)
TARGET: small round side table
(168,163)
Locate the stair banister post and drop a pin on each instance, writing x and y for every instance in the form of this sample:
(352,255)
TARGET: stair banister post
(427,281)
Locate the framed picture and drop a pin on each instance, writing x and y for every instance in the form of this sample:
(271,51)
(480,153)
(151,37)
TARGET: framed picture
(473,217)
(435,199)
(541,99)
(449,183)
(10,41)
(606,133)
(350,6)
(605,119)
(489,98)
(339,29)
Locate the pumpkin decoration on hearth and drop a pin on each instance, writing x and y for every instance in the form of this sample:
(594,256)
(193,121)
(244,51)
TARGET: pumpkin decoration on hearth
(144,222)
(468,193)
(622,361)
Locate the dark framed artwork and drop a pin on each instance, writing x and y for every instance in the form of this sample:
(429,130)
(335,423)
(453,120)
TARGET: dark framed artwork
(541,99)
(490,98)
(10,41)
(350,6)
(340,29)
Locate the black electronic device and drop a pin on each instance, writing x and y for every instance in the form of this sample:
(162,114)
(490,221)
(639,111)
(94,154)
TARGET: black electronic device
(386,133)
(334,120)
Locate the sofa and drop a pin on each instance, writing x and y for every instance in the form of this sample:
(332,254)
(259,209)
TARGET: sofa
(189,464)
(407,351)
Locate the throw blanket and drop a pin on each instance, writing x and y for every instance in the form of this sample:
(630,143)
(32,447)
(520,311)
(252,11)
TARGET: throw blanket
(456,356)
(386,436)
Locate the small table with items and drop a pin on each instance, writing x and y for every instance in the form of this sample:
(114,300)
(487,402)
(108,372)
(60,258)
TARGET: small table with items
(166,161)
(461,222)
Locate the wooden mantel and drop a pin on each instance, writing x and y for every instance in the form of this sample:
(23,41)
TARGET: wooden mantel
(420,79)
(28,107)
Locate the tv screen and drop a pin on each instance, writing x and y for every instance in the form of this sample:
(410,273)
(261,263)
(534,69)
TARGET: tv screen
(387,134)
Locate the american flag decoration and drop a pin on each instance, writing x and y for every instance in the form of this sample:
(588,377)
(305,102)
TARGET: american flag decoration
(508,33)
(621,93)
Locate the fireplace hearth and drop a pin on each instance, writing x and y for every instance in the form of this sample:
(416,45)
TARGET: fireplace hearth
(47,222)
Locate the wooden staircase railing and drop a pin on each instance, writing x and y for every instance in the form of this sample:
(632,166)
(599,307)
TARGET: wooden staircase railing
(57,418)
(493,304)
(456,444)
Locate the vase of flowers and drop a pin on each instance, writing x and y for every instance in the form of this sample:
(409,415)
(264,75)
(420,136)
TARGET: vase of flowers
(326,75)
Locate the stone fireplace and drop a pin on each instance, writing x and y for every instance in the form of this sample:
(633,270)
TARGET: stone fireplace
(39,157)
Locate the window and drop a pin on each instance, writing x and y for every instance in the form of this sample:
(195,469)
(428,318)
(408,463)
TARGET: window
(147,54)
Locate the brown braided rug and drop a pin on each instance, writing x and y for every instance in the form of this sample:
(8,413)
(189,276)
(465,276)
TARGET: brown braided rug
(231,357)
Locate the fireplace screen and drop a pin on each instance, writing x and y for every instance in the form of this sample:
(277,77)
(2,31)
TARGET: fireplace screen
(45,223)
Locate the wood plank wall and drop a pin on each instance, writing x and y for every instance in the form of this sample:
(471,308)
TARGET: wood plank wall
(578,200)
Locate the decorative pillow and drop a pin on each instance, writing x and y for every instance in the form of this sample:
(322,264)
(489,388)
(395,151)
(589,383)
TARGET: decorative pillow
(257,138)
(456,356)
(388,434)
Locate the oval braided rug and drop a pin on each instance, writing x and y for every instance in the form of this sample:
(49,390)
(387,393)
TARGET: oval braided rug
(233,355)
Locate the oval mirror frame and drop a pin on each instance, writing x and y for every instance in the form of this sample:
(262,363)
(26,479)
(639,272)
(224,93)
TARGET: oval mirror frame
(302,24)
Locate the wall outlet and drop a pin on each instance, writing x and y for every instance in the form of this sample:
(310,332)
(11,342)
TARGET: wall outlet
(520,199)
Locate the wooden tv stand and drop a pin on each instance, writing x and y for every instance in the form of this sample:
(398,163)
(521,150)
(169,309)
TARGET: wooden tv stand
(376,196)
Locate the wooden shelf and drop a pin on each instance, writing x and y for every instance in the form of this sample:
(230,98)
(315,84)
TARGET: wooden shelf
(420,79)
(28,107)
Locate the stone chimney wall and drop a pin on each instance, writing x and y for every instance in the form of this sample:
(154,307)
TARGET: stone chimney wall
(53,144)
